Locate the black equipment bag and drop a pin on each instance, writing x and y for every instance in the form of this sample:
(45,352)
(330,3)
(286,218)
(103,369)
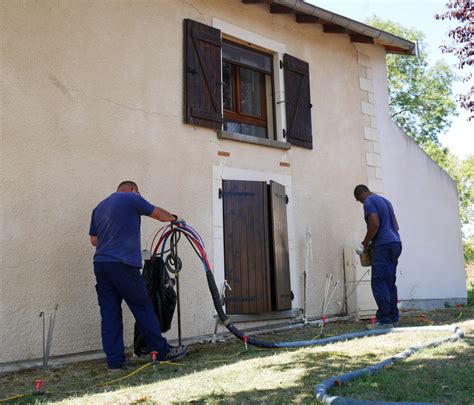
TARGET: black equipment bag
(160,287)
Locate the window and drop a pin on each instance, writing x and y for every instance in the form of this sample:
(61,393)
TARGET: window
(247,91)
(229,87)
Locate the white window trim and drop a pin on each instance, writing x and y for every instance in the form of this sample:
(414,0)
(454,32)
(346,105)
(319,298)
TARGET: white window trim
(278,50)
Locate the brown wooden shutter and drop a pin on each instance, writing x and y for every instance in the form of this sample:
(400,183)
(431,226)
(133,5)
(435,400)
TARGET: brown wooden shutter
(297,102)
(246,247)
(282,295)
(202,73)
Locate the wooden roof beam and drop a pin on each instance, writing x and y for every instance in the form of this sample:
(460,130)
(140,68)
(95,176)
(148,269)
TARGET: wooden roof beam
(395,49)
(279,9)
(333,29)
(252,1)
(306,19)
(362,39)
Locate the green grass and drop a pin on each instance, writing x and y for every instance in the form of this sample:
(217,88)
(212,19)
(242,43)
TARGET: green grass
(226,373)
(470,292)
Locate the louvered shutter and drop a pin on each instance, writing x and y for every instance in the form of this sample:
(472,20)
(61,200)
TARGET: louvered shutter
(280,259)
(202,72)
(297,102)
(246,247)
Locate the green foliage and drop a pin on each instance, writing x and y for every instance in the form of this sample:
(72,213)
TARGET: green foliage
(468,247)
(420,95)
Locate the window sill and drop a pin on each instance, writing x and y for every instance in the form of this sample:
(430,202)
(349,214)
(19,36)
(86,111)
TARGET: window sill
(232,136)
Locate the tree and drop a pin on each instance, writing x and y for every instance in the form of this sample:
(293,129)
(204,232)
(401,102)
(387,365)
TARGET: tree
(420,95)
(463,43)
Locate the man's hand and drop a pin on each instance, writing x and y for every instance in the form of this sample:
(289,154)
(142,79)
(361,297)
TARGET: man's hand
(93,240)
(360,249)
(178,220)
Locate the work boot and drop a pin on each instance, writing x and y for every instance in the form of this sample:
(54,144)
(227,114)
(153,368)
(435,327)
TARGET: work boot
(176,353)
(379,325)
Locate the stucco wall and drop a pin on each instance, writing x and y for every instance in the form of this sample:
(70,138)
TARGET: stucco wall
(425,199)
(92,94)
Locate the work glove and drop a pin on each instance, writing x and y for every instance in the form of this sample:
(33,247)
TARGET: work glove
(178,221)
(360,249)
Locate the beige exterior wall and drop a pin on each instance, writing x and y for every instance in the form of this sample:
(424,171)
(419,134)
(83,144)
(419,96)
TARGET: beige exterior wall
(92,95)
(431,269)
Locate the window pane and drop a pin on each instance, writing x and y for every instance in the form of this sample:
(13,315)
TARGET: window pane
(254,130)
(245,129)
(227,90)
(250,95)
(247,57)
(232,127)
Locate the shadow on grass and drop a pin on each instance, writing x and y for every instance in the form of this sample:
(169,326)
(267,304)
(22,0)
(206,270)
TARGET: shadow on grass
(316,366)
(87,378)
(84,378)
(442,375)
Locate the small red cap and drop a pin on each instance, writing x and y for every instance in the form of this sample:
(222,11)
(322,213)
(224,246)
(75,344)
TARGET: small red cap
(154,356)
(372,320)
(38,384)
(245,338)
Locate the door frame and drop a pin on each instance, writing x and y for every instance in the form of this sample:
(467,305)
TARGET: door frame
(220,173)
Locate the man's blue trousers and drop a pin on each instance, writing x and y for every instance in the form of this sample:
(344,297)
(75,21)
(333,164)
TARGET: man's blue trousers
(116,282)
(384,277)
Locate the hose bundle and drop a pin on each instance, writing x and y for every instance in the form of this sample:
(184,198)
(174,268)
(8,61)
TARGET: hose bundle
(171,235)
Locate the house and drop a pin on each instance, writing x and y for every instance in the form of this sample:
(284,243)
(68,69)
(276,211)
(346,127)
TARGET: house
(253,120)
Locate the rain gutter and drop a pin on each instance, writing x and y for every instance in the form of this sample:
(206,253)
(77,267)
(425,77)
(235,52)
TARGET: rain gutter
(382,37)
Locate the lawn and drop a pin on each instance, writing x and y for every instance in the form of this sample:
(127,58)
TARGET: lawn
(227,373)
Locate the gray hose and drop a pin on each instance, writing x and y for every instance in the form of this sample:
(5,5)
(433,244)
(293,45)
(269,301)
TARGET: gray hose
(322,388)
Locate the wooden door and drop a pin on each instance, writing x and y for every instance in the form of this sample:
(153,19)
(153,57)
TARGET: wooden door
(246,247)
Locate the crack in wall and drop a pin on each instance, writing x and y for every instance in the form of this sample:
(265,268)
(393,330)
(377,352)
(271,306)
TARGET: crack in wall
(194,7)
(134,108)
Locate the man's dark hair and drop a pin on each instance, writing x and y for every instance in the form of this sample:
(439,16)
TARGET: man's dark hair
(127,183)
(361,188)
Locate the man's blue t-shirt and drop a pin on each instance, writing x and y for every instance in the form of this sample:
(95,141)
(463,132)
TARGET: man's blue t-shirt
(116,223)
(387,232)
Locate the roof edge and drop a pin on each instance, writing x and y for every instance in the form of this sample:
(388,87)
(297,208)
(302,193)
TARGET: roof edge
(394,43)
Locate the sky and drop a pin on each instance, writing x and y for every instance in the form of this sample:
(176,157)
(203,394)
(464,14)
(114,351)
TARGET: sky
(419,14)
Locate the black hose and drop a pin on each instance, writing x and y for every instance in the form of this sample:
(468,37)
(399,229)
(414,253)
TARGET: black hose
(249,339)
(276,345)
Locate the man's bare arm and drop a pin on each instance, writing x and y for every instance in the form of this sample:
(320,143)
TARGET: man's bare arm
(162,215)
(93,240)
(372,228)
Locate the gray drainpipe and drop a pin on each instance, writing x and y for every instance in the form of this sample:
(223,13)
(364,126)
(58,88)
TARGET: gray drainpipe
(358,27)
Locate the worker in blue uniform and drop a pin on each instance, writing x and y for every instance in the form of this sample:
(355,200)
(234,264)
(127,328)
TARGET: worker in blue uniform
(115,232)
(383,240)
